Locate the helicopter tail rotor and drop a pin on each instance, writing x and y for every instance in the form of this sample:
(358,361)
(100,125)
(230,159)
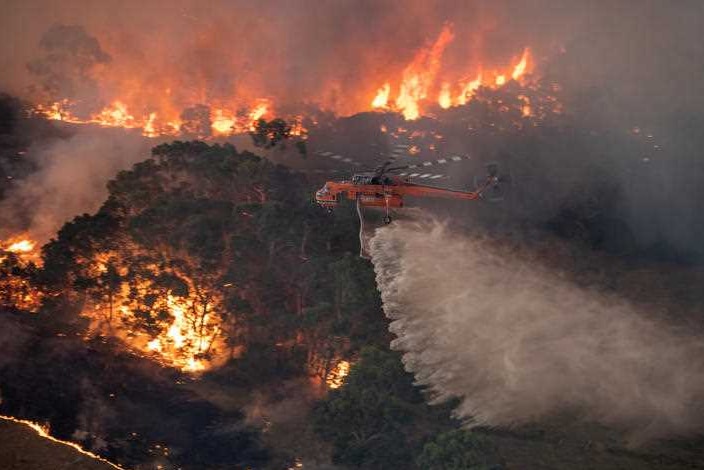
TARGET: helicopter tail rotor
(494,186)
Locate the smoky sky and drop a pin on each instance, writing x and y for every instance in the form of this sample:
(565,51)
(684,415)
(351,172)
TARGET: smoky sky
(327,51)
(71,180)
(636,63)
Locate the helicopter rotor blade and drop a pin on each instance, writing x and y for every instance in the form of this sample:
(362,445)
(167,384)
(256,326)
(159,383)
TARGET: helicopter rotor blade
(338,157)
(397,150)
(429,163)
(431,176)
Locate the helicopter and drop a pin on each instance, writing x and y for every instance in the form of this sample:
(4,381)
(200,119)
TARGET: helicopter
(386,187)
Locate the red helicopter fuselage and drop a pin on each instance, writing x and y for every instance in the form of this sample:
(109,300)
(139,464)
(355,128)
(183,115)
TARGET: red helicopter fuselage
(384,191)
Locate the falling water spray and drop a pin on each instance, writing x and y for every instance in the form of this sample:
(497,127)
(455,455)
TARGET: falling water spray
(516,342)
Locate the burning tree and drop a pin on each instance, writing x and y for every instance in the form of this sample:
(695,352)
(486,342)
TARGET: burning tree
(203,253)
(17,287)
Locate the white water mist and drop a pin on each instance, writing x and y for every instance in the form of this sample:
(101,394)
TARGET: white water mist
(516,342)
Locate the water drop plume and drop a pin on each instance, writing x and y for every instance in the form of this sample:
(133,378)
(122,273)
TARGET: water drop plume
(516,342)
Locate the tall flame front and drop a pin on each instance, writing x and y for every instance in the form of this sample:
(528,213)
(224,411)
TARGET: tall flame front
(175,105)
(422,83)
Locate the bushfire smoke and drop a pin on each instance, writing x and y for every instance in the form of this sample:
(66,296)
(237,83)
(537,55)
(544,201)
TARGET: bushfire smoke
(516,342)
(71,180)
(164,57)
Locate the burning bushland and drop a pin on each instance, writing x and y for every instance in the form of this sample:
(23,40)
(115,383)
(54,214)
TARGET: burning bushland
(82,76)
(203,253)
(202,260)
(206,262)
(200,305)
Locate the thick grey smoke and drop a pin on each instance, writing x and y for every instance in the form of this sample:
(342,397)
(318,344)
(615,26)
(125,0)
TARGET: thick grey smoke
(71,180)
(516,342)
(68,57)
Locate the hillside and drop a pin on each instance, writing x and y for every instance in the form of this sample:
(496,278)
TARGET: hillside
(22,448)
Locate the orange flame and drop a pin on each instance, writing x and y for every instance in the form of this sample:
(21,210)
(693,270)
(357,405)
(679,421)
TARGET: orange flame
(261,109)
(336,377)
(419,79)
(21,246)
(115,115)
(223,122)
(187,330)
(155,106)
(152,124)
(445,98)
(419,75)
(382,96)
(522,66)
(17,291)
(469,89)
(43,431)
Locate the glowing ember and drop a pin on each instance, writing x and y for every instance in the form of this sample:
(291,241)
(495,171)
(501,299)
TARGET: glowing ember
(43,431)
(526,110)
(297,127)
(336,377)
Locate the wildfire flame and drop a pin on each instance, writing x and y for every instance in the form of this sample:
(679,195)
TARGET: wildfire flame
(520,69)
(419,75)
(22,246)
(419,80)
(469,89)
(160,107)
(185,330)
(336,377)
(16,290)
(445,99)
(381,99)
(43,431)
(224,121)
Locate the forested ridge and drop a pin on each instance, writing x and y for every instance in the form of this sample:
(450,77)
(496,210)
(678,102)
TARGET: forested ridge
(271,288)
(210,316)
